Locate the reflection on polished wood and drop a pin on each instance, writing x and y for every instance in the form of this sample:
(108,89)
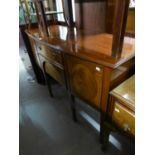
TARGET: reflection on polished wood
(91,46)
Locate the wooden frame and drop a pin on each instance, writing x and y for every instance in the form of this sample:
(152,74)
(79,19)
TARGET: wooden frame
(121,12)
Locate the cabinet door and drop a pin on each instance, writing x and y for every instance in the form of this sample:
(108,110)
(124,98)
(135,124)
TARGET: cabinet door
(85,79)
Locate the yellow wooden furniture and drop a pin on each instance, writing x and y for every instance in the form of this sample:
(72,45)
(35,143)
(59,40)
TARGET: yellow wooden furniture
(123,105)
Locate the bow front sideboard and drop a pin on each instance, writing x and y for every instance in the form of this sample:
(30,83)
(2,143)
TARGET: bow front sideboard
(88,60)
(83,65)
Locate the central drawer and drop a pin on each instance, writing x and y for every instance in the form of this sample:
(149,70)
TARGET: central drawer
(50,54)
(55,72)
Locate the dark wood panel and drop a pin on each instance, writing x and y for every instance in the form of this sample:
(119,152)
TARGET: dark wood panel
(110,8)
(90,15)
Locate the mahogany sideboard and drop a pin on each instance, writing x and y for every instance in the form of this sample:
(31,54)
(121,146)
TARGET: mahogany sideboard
(82,62)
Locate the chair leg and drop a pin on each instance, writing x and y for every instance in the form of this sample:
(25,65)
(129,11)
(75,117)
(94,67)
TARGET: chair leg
(48,84)
(73,108)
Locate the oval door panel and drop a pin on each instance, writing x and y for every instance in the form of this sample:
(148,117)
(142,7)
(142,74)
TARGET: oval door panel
(85,80)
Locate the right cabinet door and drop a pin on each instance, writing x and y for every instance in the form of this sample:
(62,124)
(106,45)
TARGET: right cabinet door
(85,79)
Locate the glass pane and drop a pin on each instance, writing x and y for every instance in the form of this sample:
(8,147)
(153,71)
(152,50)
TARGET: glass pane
(59,9)
(21,16)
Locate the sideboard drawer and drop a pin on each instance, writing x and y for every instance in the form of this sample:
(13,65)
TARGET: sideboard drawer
(50,54)
(55,72)
(124,118)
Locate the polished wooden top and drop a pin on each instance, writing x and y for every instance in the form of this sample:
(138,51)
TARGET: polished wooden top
(88,45)
(126,92)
